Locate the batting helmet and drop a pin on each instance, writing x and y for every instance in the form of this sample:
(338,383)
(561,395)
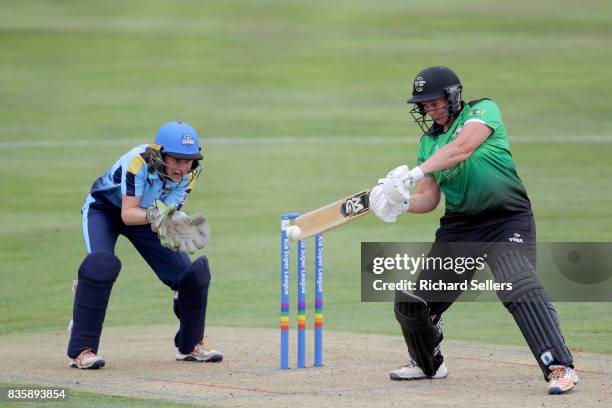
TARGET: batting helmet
(433,83)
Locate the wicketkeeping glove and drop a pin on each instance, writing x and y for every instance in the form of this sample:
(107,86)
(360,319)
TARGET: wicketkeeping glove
(158,213)
(184,232)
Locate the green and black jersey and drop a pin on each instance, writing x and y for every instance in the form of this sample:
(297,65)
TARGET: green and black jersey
(486,184)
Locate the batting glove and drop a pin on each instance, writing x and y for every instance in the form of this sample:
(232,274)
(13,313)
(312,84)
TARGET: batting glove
(408,177)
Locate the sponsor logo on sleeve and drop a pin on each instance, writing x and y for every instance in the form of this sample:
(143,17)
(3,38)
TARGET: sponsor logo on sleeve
(477,112)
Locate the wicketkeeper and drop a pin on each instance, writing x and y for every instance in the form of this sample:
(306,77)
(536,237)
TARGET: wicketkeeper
(464,153)
(140,197)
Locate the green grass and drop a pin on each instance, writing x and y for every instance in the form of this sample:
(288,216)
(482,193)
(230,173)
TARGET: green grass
(243,194)
(75,72)
(92,400)
(91,70)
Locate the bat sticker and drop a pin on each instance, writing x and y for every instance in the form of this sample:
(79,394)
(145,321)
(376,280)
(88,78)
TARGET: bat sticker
(355,205)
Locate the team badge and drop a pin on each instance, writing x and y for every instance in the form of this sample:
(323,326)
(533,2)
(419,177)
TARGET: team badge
(477,112)
(187,140)
(419,84)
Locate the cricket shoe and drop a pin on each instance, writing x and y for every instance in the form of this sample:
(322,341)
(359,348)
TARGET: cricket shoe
(87,360)
(201,352)
(561,379)
(411,371)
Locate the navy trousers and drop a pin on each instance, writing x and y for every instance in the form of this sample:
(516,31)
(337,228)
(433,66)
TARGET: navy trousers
(102,226)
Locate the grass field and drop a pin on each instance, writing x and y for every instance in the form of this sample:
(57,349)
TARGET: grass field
(298,104)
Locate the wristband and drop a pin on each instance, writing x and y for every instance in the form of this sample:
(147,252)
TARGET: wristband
(414,176)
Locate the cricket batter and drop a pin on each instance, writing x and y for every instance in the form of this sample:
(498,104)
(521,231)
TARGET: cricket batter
(140,197)
(464,153)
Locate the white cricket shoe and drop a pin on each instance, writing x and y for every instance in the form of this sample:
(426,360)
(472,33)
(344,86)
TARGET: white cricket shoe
(561,379)
(87,360)
(411,371)
(201,352)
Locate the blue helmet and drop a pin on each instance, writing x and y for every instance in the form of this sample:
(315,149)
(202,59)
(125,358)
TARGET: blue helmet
(179,140)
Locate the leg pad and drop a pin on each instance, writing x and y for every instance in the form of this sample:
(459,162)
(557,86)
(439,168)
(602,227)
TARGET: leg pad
(532,310)
(97,274)
(190,304)
(422,336)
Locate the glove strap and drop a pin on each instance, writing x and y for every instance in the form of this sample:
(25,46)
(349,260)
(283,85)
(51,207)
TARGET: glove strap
(151,214)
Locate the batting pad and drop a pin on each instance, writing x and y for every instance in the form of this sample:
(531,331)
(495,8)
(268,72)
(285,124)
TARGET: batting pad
(533,312)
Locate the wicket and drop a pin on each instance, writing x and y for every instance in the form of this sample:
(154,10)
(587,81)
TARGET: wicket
(301,303)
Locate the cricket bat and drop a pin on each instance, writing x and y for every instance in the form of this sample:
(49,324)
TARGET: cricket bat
(333,215)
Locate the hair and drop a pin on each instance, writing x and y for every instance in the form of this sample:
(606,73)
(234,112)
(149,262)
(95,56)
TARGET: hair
(146,155)
(149,154)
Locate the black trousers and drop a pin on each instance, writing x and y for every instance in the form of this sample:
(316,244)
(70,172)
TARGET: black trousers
(519,232)
(511,254)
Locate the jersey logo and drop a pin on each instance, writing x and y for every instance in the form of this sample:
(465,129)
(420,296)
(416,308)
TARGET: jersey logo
(451,172)
(419,84)
(355,205)
(187,140)
(477,112)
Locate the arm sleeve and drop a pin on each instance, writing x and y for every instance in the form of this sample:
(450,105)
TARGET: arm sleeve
(133,177)
(487,113)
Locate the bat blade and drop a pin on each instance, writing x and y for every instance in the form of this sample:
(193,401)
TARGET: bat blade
(334,214)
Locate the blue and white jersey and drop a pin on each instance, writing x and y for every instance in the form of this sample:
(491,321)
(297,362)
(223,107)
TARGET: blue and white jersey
(130,176)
